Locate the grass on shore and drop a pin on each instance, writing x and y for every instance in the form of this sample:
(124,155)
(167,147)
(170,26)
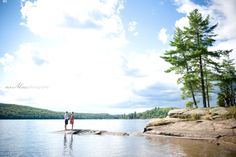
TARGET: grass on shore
(232,113)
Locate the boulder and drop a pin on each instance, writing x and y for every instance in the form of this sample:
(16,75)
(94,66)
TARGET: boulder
(162,121)
(218,111)
(92,132)
(176,113)
(196,113)
(222,131)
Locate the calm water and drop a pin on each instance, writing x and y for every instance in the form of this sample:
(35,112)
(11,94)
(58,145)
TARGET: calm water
(37,138)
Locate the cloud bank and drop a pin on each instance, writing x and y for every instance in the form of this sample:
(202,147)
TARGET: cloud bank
(81,61)
(79,58)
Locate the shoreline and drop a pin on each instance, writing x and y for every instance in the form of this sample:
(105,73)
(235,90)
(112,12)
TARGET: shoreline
(216,125)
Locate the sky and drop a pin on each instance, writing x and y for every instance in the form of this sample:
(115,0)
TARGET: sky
(98,56)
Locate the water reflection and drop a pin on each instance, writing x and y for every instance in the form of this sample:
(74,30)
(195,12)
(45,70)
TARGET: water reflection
(68,145)
(187,147)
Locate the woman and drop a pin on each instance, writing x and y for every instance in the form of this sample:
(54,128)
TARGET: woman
(72,119)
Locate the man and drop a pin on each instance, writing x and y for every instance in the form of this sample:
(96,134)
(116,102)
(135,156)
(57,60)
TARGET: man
(66,117)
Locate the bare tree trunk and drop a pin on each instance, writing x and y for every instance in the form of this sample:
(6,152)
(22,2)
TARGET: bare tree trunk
(202,83)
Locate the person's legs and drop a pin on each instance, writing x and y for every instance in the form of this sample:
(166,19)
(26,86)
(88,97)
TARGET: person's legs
(66,122)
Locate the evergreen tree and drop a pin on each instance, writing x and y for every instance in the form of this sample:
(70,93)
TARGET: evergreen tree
(201,35)
(180,59)
(192,58)
(227,83)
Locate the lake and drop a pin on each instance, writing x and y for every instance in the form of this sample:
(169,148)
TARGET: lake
(27,138)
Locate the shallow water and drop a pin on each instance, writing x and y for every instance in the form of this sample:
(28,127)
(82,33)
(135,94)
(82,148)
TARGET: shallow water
(37,138)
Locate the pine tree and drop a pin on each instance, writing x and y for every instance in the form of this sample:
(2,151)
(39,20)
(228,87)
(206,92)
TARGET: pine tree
(179,59)
(227,83)
(201,35)
(192,59)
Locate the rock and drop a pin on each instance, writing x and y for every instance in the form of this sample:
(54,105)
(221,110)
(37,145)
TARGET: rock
(223,132)
(177,112)
(92,132)
(162,121)
(199,113)
(195,113)
(218,111)
(137,133)
(115,133)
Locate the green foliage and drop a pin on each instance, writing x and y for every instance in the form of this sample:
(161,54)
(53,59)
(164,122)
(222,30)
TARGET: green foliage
(189,104)
(10,111)
(153,113)
(226,78)
(192,60)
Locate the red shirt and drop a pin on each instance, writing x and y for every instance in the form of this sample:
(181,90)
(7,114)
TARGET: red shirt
(71,119)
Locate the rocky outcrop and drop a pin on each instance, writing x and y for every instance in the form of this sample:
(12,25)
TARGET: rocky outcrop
(92,132)
(207,124)
(193,124)
(218,112)
(176,113)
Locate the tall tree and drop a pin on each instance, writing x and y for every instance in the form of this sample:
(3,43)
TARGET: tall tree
(227,83)
(192,58)
(179,59)
(201,35)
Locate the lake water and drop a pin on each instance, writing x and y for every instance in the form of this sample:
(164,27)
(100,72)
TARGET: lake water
(29,138)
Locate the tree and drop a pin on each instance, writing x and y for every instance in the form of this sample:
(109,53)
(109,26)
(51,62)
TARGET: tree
(192,58)
(227,83)
(180,59)
(201,35)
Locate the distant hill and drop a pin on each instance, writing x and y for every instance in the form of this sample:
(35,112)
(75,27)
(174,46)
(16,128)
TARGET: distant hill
(11,111)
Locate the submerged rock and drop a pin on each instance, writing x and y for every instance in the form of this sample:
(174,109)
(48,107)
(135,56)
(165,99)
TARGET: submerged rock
(92,132)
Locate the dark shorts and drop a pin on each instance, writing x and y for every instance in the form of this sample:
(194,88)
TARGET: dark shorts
(66,121)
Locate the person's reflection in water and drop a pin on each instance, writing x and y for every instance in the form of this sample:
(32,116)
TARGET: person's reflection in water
(71,142)
(68,145)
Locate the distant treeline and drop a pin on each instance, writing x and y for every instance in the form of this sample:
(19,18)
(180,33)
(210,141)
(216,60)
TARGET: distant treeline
(153,113)
(11,111)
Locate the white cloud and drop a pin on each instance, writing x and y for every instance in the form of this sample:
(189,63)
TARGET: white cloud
(182,22)
(224,14)
(163,36)
(185,7)
(132,27)
(78,58)
(6,61)
(220,12)
(46,19)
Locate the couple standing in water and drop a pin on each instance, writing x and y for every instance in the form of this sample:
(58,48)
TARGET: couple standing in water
(67,118)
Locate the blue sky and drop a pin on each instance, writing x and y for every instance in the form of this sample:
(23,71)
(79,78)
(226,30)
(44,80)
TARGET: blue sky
(99,56)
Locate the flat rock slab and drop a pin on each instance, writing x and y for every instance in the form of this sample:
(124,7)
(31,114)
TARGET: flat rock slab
(92,132)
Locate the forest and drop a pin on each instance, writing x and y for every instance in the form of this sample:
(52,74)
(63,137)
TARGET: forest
(12,111)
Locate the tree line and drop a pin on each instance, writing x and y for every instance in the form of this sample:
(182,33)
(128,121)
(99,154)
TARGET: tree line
(153,113)
(11,111)
(202,71)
